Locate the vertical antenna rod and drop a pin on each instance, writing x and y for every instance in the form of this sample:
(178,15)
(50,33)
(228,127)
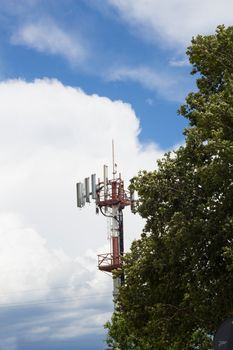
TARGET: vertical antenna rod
(113,161)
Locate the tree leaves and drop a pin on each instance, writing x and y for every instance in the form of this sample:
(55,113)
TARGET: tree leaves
(178,276)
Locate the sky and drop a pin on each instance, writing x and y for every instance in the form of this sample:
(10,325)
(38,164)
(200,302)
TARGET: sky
(75,74)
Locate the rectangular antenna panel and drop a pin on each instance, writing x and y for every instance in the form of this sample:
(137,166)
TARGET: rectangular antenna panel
(79,195)
(83,194)
(93,185)
(87,189)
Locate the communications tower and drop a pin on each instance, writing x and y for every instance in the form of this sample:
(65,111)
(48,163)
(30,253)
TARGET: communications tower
(110,198)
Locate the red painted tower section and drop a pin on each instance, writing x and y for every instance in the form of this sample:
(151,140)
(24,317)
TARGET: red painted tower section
(111,199)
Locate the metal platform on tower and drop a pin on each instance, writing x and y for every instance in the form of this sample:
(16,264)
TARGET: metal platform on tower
(107,262)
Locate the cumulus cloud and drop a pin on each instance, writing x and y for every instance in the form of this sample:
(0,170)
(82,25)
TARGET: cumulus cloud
(46,36)
(52,136)
(174,22)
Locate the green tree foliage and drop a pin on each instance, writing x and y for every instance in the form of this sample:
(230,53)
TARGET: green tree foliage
(178,276)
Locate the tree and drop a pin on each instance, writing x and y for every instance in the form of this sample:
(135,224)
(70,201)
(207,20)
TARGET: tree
(178,275)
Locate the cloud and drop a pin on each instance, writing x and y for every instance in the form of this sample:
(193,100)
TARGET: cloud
(144,75)
(179,62)
(44,32)
(174,22)
(21,8)
(9,344)
(47,37)
(54,296)
(52,136)
(167,84)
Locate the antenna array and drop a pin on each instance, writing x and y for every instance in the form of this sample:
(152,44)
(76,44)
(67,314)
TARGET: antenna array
(110,198)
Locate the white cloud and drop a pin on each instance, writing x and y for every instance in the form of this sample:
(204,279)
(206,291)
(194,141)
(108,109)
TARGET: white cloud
(63,295)
(144,75)
(179,62)
(174,22)
(52,136)
(165,84)
(46,36)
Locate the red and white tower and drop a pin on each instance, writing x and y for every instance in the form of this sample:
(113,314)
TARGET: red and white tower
(111,198)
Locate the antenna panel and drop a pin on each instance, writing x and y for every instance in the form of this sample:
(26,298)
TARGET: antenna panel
(87,189)
(83,194)
(79,195)
(93,185)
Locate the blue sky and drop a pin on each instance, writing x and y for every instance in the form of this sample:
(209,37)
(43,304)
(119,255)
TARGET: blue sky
(106,57)
(75,74)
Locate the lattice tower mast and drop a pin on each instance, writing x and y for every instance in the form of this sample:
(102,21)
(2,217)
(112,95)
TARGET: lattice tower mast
(111,198)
